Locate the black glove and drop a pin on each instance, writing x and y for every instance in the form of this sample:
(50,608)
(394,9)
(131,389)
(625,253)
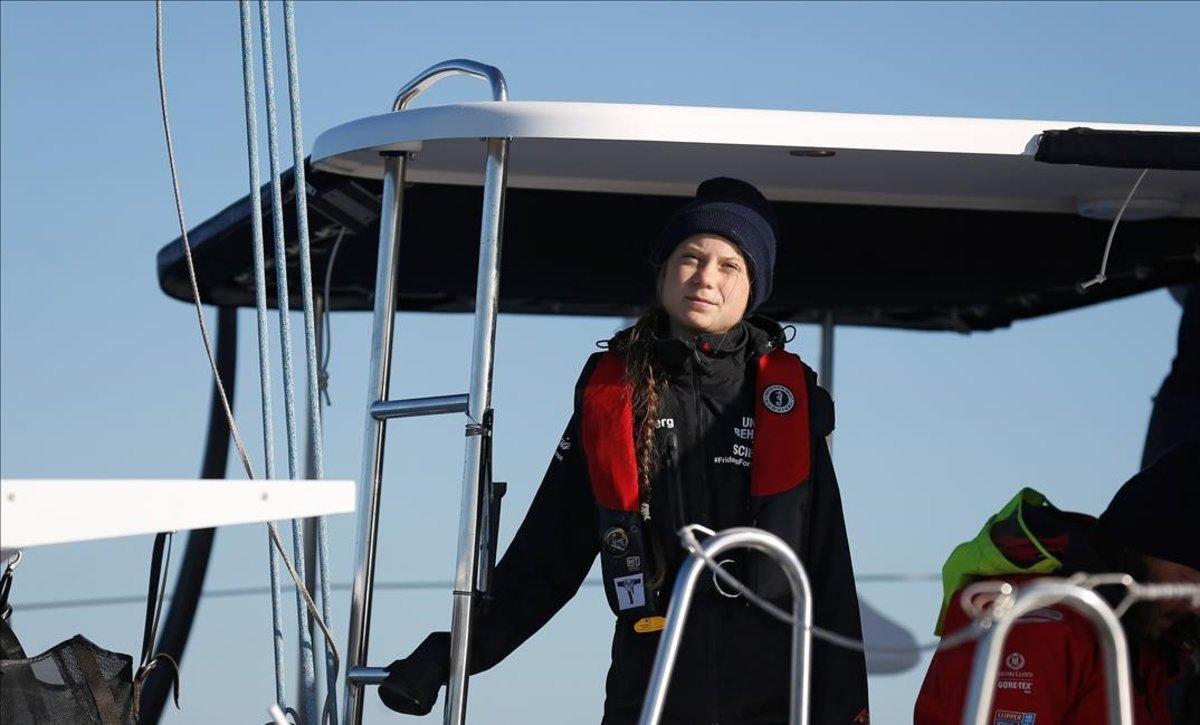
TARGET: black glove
(412,683)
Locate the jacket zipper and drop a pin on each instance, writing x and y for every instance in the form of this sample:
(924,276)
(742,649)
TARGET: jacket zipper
(697,432)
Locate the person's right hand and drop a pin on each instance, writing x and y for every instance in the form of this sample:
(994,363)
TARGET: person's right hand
(412,683)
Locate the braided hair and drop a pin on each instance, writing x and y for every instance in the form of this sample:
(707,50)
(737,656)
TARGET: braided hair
(648,380)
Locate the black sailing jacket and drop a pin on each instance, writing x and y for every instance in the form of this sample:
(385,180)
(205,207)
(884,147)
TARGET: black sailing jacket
(734,662)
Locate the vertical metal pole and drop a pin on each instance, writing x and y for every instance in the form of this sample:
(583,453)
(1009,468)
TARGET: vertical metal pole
(479,400)
(825,374)
(371,482)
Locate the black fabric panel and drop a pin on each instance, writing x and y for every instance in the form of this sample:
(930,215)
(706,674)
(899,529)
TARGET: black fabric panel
(186,600)
(582,253)
(1122,149)
(1175,416)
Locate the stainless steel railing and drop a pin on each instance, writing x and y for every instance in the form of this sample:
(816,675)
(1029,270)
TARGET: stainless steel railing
(1115,649)
(681,600)
(476,403)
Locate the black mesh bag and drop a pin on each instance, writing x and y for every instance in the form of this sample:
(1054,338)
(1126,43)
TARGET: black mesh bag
(73,682)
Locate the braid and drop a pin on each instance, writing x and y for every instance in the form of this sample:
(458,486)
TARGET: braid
(647,379)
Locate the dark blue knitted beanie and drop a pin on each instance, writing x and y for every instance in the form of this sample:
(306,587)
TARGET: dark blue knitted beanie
(737,211)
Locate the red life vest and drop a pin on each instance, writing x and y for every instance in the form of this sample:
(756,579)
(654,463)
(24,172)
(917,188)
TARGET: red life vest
(782,459)
(781,463)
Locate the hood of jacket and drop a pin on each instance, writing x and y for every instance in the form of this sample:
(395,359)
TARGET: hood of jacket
(1028,536)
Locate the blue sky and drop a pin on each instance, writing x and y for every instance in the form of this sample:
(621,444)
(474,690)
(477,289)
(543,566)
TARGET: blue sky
(103,376)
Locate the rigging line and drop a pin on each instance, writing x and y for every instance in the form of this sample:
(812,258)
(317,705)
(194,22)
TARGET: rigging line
(313,367)
(689,541)
(325,340)
(1112,231)
(264,358)
(187,247)
(235,433)
(230,592)
(1135,591)
(308,677)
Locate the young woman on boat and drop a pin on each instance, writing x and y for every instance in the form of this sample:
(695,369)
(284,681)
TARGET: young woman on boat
(694,415)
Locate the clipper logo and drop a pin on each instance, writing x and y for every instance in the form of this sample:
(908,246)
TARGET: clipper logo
(1009,717)
(779,399)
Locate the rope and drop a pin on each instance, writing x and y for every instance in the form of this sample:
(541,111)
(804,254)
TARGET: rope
(982,619)
(264,358)
(688,538)
(235,433)
(1112,231)
(222,593)
(316,438)
(326,338)
(308,677)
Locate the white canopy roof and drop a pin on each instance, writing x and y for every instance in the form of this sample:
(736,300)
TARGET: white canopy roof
(920,161)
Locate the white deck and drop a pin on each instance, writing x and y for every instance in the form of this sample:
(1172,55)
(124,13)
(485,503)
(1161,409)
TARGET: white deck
(926,161)
(37,512)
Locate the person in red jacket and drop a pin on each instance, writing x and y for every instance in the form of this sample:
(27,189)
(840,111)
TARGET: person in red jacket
(1052,668)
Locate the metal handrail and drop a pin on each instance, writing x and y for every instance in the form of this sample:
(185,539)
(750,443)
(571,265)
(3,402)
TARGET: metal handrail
(476,403)
(681,600)
(370,483)
(447,68)
(986,666)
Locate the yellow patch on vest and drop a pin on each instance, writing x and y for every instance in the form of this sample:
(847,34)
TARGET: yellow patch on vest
(649,624)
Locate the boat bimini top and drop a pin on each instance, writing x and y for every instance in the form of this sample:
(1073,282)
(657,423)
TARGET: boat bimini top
(911,222)
(895,221)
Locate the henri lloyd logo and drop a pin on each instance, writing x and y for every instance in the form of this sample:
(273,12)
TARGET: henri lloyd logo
(1015,677)
(779,399)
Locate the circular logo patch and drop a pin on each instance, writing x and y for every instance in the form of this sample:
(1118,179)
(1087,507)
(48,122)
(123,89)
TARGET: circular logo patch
(1015,661)
(616,541)
(778,399)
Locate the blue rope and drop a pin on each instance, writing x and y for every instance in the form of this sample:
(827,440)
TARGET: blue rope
(310,338)
(308,678)
(264,360)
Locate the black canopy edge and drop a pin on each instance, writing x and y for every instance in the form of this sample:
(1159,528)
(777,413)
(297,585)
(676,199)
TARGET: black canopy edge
(1172,150)
(581,253)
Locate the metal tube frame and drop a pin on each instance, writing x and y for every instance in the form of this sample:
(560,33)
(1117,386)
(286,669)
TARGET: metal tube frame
(446,69)
(367,675)
(986,667)
(477,404)
(413,407)
(371,482)
(681,600)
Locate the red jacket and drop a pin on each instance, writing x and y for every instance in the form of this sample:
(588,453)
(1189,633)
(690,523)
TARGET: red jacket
(1051,673)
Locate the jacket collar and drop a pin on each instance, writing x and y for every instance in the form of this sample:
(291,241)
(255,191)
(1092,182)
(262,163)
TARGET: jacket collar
(754,336)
